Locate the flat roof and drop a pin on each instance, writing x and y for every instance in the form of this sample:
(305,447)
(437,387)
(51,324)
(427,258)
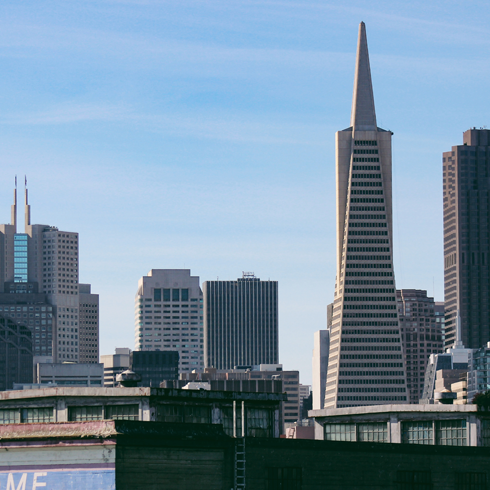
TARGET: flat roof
(374,409)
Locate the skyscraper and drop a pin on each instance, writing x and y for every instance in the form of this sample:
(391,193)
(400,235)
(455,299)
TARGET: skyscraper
(240,322)
(39,284)
(89,325)
(466,194)
(421,336)
(365,365)
(168,315)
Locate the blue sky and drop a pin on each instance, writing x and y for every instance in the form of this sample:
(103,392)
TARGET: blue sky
(200,134)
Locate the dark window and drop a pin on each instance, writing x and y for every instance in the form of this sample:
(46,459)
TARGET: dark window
(175,295)
(166,295)
(471,481)
(157,294)
(413,480)
(185,294)
(284,479)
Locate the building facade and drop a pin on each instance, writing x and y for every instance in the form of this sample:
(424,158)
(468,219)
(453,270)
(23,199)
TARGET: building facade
(15,354)
(421,336)
(39,284)
(70,374)
(240,322)
(320,366)
(466,189)
(169,315)
(155,366)
(115,364)
(89,325)
(365,365)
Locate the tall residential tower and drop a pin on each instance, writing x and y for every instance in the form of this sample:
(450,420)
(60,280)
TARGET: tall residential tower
(466,193)
(365,365)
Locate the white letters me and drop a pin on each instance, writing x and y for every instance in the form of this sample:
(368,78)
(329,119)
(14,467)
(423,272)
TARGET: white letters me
(22,482)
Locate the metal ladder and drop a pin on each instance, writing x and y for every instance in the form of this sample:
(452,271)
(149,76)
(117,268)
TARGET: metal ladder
(240,463)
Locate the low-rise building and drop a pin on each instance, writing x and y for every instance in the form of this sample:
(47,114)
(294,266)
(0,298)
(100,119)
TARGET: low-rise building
(155,366)
(70,374)
(115,364)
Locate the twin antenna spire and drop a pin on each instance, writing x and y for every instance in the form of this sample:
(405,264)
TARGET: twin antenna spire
(27,212)
(363,116)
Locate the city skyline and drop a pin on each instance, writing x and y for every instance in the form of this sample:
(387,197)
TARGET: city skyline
(210,135)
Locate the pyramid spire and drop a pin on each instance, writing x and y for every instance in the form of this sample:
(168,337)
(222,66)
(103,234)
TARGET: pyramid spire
(363,116)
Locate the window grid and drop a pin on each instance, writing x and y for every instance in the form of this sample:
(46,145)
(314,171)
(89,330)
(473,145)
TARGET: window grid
(485,432)
(420,432)
(340,432)
(451,432)
(259,422)
(10,416)
(284,479)
(122,412)
(413,480)
(33,415)
(376,432)
(80,414)
(471,481)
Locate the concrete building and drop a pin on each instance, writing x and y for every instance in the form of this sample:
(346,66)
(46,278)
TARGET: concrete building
(421,336)
(442,425)
(155,366)
(478,380)
(320,366)
(240,322)
(15,354)
(39,281)
(169,316)
(365,364)
(89,325)
(70,374)
(128,455)
(115,364)
(240,414)
(466,240)
(266,378)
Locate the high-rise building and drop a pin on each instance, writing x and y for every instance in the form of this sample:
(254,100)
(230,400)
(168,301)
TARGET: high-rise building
(169,315)
(39,284)
(88,325)
(365,365)
(466,191)
(15,354)
(421,336)
(319,365)
(155,366)
(240,322)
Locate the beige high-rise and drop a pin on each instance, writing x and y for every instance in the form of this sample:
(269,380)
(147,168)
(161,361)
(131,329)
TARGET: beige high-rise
(365,364)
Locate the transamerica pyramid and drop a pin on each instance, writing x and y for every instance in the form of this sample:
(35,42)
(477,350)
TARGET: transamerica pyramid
(365,365)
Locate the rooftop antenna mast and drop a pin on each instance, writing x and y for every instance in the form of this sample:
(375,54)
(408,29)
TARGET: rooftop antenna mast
(27,206)
(13,209)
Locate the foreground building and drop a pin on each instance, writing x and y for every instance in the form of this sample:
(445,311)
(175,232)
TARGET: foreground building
(466,170)
(168,316)
(240,322)
(128,455)
(365,364)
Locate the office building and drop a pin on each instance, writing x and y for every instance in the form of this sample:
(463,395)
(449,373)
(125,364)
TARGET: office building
(421,336)
(466,187)
(169,316)
(320,366)
(240,322)
(39,284)
(365,364)
(15,354)
(115,364)
(155,366)
(88,325)
(70,374)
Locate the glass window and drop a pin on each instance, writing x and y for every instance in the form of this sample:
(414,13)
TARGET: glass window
(166,295)
(32,415)
(340,432)
(84,413)
(485,432)
(10,416)
(175,295)
(284,479)
(413,480)
(451,432)
(157,295)
(185,294)
(122,412)
(377,432)
(197,415)
(227,414)
(259,423)
(170,413)
(420,432)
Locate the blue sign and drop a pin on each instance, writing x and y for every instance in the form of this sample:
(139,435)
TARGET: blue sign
(59,479)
